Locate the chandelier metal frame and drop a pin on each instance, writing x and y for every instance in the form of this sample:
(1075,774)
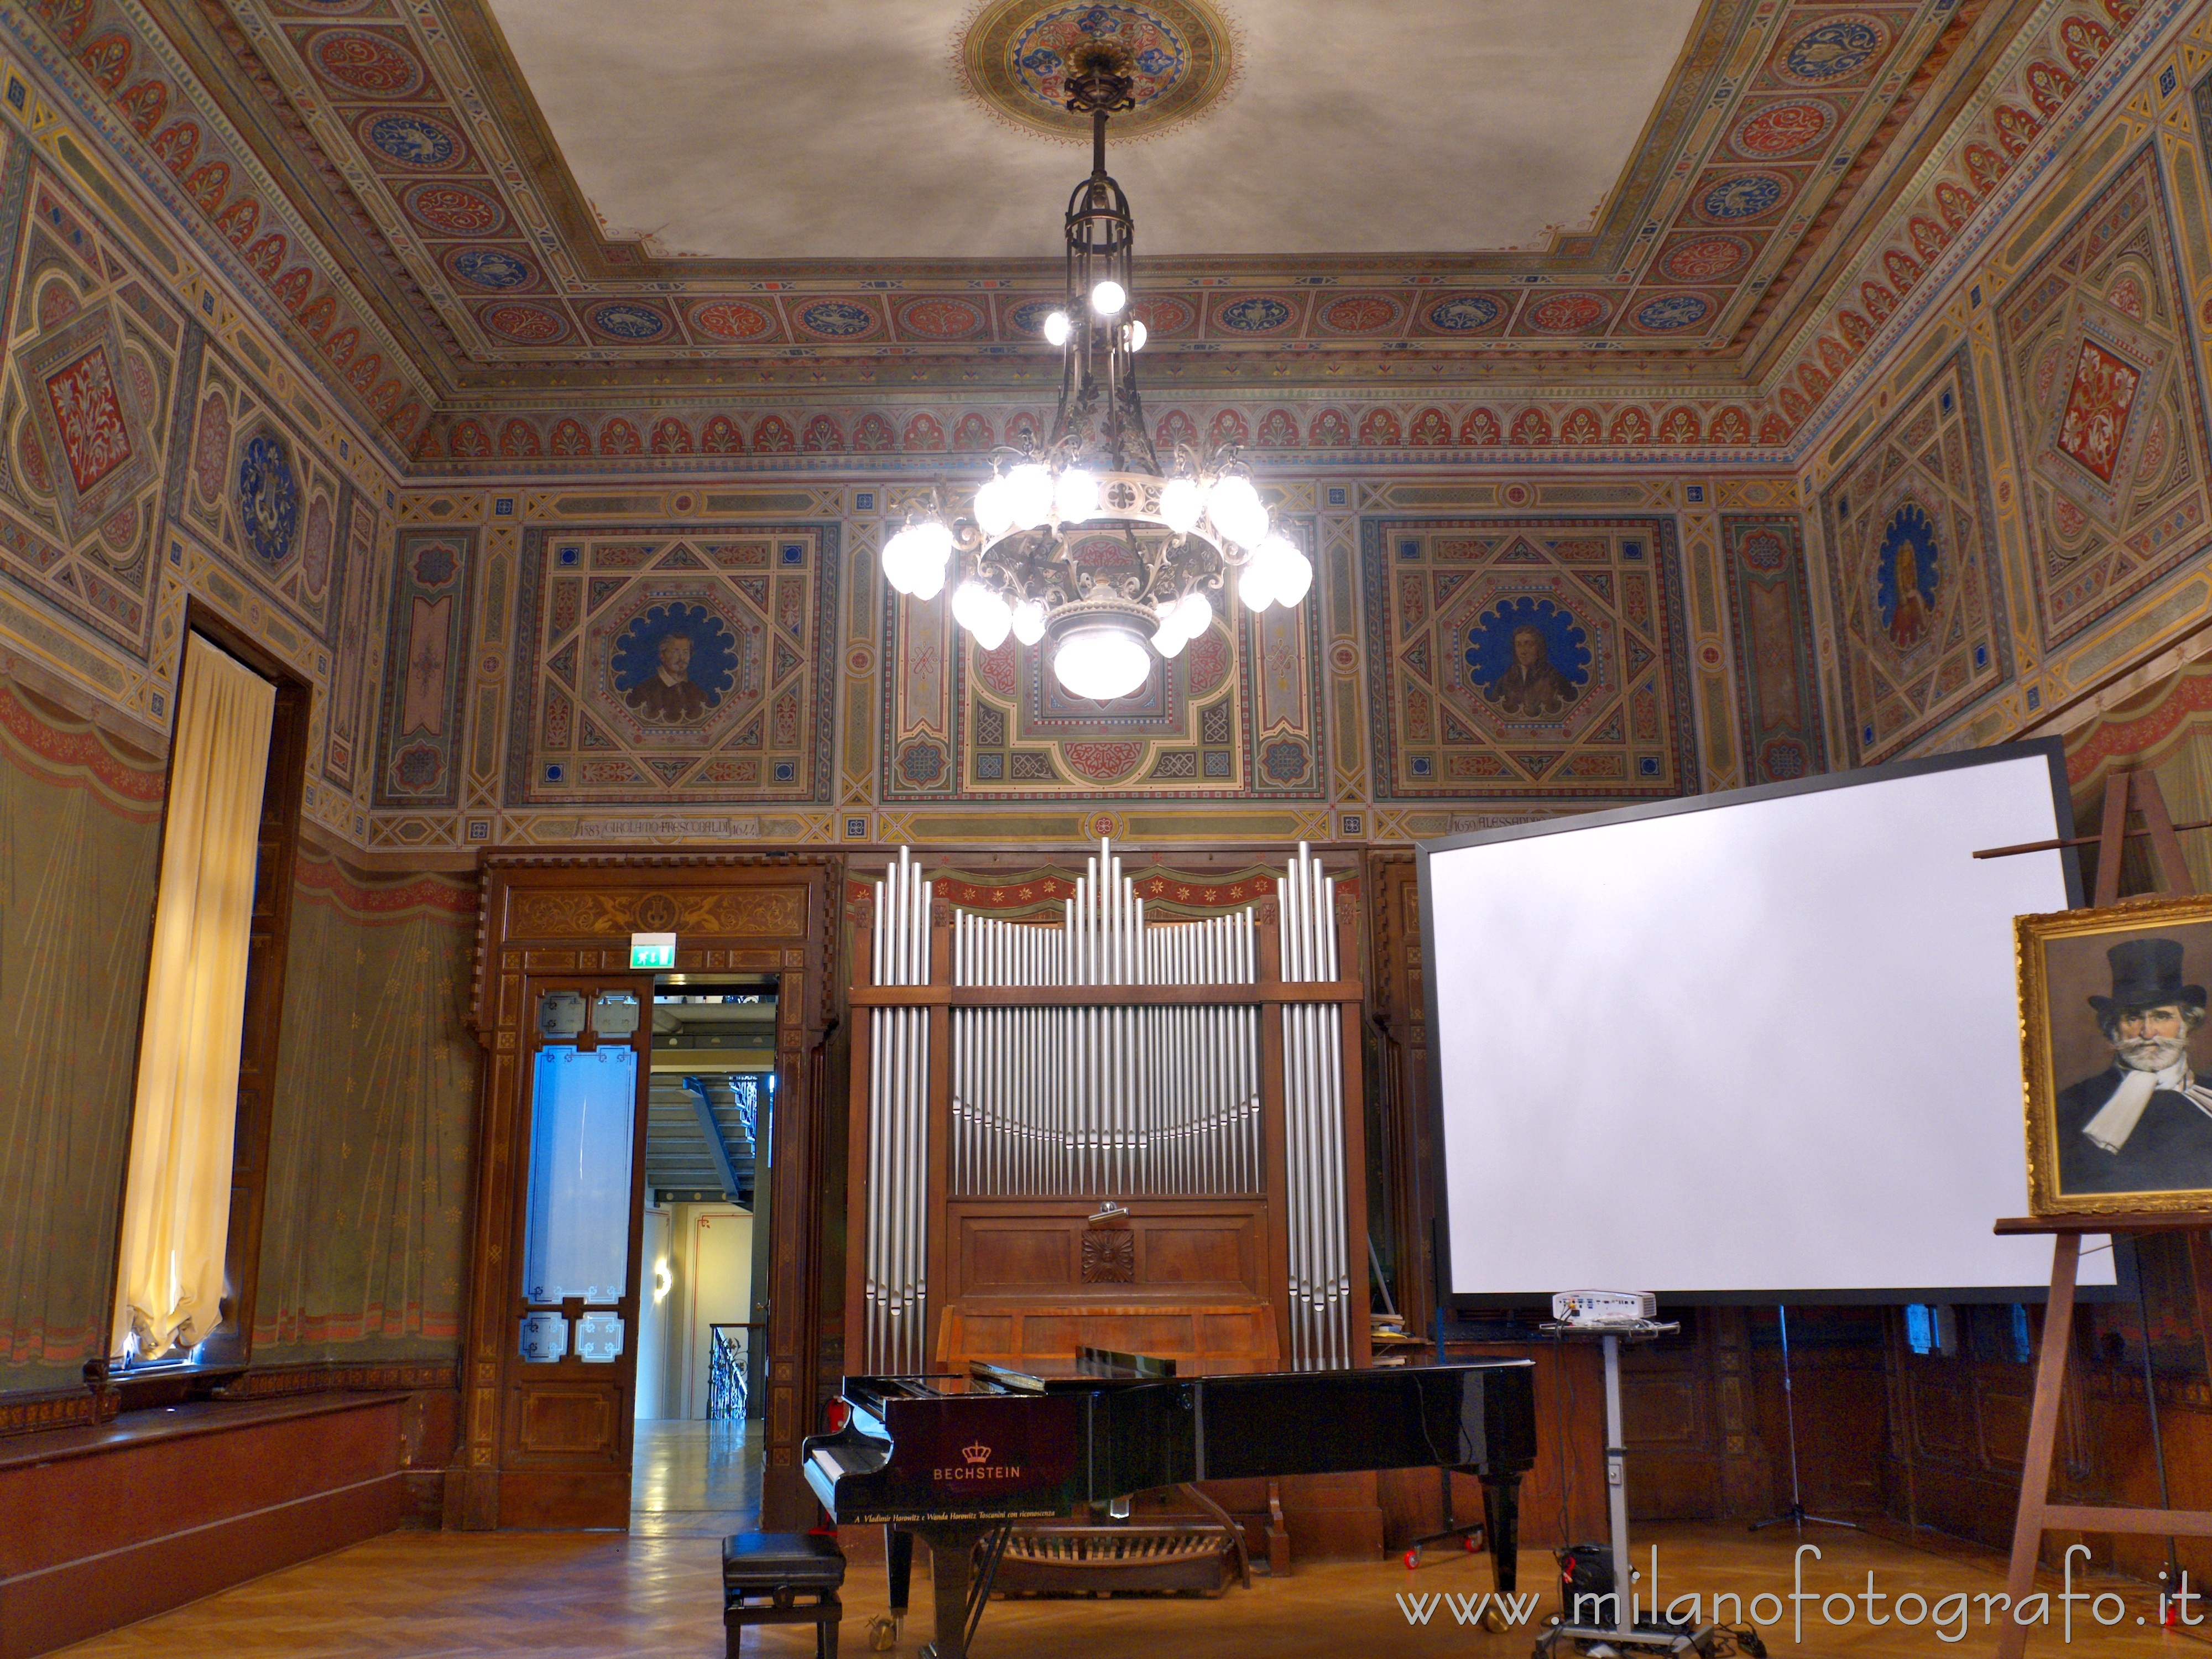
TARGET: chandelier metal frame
(1014,564)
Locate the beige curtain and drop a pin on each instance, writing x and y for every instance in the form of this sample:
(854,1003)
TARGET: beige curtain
(176,1209)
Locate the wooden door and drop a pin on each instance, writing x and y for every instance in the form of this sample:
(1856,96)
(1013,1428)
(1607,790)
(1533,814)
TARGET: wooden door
(556,1452)
(570,1362)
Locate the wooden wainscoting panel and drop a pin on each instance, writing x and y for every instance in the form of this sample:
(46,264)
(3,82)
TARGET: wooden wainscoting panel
(1164,1332)
(1938,1413)
(2001,1420)
(566,1419)
(558,1500)
(1017,1252)
(1333,1517)
(1236,1333)
(1204,1339)
(1216,1255)
(1179,1250)
(1659,1410)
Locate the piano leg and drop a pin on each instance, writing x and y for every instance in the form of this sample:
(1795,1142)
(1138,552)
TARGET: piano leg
(951,1556)
(898,1566)
(1501,1516)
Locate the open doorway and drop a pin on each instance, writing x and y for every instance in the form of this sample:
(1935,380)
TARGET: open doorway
(711,1106)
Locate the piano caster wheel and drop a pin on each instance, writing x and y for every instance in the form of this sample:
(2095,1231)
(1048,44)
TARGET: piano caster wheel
(1413,1558)
(1469,1543)
(882,1633)
(1493,1622)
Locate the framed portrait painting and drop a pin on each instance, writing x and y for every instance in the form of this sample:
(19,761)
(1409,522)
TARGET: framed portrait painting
(2116,1058)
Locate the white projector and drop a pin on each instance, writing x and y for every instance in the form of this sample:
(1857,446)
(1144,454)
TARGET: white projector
(1595,1309)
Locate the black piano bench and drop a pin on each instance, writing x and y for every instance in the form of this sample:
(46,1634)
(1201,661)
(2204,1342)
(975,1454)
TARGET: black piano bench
(764,1574)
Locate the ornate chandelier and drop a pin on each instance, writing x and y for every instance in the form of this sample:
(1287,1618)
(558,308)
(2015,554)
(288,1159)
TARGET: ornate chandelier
(1029,560)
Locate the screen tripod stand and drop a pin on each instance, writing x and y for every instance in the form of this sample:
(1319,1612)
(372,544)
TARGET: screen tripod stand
(1796,1514)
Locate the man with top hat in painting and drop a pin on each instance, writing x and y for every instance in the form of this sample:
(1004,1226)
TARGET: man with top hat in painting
(2144,1123)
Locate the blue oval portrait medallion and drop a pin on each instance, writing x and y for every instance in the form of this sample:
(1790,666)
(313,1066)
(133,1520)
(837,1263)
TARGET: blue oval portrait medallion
(629,322)
(1746,196)
(1463,312)
(1833,49)
(414,141)
(492,267)
(838,318)
(1255,314)
(674,663)
(1528,657)
(1907,571)
(1673,311)
(268,499)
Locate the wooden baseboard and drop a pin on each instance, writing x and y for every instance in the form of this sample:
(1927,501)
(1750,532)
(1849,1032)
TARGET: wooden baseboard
(101,1527)
(59,1605)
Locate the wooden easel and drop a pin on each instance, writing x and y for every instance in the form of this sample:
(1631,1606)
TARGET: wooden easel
(2038,1514)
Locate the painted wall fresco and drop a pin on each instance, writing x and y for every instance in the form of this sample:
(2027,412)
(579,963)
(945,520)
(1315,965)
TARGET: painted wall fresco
(2022,122)
(2107,406)
(2075,340)
(364,1245)
(674,666)
(1234,716)
(774,431)
(116,72)
(80,847)
(1917,594)
(261,493)
(796,710)
(91,379)
(430,630)
(151,449)
(1527,659)
(1771,627)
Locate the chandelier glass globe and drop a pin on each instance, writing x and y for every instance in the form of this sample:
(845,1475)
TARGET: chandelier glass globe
(1234,506)
(1031,493)
(1075,498)
(984,612)
(1103,662)
(1256,586)
(1182,504)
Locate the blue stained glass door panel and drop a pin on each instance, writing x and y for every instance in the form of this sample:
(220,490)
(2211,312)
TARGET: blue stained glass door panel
(583,1119)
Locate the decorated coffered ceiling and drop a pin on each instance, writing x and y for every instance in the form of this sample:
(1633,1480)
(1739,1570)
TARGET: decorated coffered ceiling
(895,141)
(528,202)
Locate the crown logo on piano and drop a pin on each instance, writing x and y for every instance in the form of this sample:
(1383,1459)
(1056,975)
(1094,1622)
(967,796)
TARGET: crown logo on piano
(977,1453)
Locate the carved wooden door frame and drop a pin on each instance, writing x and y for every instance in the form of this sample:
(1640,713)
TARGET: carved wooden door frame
(544,915)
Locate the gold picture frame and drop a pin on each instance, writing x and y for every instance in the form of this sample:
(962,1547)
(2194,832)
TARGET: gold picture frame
(2107,998)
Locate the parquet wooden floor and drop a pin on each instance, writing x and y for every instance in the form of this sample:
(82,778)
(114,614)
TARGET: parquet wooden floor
(556,1596)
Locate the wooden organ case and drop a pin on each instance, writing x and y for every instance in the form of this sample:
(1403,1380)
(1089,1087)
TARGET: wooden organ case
(1133,1134)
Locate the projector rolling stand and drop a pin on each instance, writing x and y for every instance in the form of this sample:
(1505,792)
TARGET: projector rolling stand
(1627,1637)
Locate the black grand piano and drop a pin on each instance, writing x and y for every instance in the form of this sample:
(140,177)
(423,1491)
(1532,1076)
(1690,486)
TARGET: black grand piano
(958,1459)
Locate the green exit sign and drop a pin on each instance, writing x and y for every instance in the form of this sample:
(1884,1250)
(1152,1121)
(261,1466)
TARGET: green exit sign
(652,950)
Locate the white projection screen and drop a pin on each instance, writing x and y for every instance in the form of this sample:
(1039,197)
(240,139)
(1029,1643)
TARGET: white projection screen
(1759,1045)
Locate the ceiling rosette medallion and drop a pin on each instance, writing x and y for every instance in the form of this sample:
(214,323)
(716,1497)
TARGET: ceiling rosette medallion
(1014,57)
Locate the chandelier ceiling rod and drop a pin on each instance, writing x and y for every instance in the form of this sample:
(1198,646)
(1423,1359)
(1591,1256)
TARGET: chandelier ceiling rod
(1100,238)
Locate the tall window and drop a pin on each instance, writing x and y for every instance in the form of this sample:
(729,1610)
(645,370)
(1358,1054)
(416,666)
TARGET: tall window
(177,1203)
